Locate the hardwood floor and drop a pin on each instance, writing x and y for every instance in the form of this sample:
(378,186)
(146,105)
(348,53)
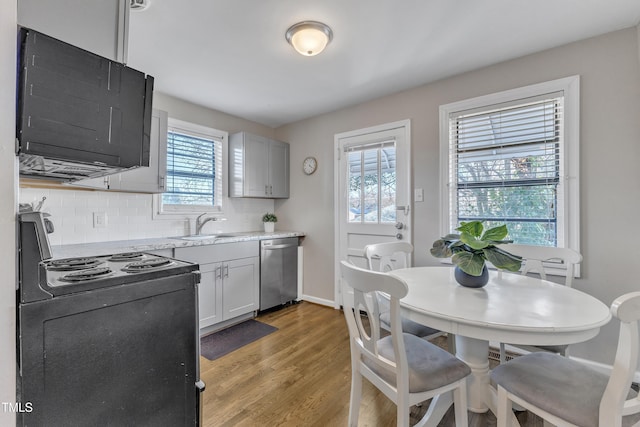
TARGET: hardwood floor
(300,375)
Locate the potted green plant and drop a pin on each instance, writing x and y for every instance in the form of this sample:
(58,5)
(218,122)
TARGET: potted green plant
(471,248)
(269,220)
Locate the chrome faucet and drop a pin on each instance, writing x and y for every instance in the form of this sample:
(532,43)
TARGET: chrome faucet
(200,222)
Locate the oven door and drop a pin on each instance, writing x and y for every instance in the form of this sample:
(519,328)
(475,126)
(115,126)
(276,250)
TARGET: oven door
(124,355)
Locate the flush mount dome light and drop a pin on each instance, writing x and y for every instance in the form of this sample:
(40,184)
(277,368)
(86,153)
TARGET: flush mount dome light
(309,38)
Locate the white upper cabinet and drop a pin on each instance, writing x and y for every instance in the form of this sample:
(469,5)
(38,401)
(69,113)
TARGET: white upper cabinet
(258,167)
(153,178)
(150,179)
(99,26)
(278,170)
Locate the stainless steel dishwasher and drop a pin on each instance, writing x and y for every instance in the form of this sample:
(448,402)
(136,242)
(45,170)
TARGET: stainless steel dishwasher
(278,272)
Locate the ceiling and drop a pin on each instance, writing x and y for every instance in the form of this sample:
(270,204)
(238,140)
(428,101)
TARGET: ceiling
(232,56)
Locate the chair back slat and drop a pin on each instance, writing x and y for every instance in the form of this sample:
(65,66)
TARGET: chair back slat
(539,259)
(369,335)
(390,256)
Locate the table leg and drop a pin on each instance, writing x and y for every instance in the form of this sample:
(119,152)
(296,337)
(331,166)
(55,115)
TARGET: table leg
(475,353)
(480,395)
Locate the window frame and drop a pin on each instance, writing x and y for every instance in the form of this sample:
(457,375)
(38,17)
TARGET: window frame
(568,226)
(196,130)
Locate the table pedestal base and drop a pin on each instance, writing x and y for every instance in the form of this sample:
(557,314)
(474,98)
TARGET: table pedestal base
(475,353)
(480,395)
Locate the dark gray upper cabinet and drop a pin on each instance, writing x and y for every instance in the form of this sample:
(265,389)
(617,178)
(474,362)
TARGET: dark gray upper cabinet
(76,106)
(258,167)
(99,26)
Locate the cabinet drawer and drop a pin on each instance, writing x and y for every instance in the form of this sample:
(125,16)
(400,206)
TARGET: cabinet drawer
(219,252)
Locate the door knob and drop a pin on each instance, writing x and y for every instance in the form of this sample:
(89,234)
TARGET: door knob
(399,236)
(399,225)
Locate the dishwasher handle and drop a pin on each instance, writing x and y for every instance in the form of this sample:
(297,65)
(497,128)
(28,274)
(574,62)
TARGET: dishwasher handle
(269,247)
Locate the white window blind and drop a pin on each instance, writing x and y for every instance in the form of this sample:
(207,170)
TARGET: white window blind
(505,167)
(194,170)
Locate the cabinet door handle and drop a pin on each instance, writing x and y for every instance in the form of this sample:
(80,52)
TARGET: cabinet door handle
(272,247)
(218,272)
(110,109)
(266,190)
(226,270)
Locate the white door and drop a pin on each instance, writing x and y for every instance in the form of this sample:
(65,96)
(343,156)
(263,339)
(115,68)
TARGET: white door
(373,188)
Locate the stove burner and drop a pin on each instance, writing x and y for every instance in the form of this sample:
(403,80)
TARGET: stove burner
(129,256)
(147,265)
(88,274)
(70,264)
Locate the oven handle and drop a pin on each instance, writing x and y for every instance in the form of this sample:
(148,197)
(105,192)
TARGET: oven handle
(200,386)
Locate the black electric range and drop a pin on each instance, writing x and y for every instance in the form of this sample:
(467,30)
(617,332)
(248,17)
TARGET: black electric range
(110,338)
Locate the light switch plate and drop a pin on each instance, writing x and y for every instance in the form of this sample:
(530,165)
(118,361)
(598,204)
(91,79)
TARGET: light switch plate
(418,195)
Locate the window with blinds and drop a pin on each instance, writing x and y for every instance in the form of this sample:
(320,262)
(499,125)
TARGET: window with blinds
(194,171)
(505,167)
(372,182)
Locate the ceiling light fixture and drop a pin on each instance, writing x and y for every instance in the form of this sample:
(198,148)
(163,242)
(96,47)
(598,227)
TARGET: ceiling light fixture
(309,38)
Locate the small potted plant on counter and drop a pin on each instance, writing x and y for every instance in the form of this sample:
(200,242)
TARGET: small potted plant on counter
(269,221)
(471,248)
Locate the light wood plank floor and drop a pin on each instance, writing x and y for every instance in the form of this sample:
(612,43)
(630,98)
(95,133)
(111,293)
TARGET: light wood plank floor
(300,375)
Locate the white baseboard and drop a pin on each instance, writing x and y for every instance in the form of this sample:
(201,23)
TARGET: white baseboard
(320,301)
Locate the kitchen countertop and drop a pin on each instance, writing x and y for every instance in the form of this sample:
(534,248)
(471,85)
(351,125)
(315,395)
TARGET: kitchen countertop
(141,245)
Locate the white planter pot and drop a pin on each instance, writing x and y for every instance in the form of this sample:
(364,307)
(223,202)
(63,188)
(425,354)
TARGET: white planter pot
(269,227)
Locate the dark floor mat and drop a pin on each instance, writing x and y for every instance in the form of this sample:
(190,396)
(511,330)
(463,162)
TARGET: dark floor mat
(227,340)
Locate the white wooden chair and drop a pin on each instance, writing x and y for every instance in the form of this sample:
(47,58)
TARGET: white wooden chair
(390,256)
(567,393)
(406,368)
(543,260)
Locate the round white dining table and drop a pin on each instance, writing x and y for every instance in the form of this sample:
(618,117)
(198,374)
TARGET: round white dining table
(511,308)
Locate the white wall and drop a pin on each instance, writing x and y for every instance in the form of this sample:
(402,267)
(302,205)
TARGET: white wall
(609,155)
(129,215)
(8,190)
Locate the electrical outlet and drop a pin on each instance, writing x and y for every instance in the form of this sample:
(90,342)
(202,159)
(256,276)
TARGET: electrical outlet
(99,219)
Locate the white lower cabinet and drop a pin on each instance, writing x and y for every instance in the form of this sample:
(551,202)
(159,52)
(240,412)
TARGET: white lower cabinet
(240,278)
(230,279)
(209,295)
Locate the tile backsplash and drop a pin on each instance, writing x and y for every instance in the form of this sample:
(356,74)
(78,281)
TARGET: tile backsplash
(129,216)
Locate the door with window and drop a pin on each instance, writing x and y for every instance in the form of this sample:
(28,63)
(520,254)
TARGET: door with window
(373,203)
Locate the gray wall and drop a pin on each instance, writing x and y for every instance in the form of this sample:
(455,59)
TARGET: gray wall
(609,154)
